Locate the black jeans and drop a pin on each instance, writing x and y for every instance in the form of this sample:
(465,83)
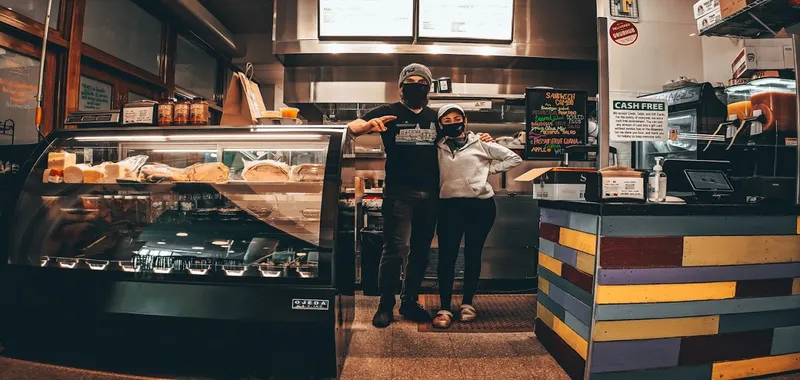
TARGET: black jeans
(409,222)
(471,219)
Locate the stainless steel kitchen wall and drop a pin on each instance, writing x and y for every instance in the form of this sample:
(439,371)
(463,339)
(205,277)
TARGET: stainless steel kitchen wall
(554,44)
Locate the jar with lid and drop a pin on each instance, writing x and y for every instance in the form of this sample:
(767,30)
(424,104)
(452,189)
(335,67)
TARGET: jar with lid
(166,110)
(181,116)
(198,113)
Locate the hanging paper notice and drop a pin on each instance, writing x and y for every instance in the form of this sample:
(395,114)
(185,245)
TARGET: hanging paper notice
(637,120)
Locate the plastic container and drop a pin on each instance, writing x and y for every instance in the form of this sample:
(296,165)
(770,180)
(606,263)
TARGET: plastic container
(290,112)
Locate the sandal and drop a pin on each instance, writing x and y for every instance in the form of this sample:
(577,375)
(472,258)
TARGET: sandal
(467,314)
(443,319)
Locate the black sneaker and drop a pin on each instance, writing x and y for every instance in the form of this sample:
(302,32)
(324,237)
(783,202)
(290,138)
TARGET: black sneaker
(383,318)
(414,312)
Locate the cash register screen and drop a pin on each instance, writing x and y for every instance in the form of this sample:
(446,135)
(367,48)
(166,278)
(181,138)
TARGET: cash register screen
(708,180)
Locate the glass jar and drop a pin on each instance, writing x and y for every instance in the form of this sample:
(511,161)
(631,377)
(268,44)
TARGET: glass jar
(198,113)
(166,110)
(181,116)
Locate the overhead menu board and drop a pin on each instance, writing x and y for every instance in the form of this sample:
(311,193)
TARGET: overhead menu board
(555,120)
(467,19)
(366,18)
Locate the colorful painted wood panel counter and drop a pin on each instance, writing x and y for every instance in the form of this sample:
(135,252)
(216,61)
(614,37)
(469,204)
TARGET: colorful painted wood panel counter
(669,291)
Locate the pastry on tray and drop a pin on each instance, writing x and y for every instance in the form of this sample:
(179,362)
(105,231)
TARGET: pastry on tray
(266,171)
(209,172)
(308,173)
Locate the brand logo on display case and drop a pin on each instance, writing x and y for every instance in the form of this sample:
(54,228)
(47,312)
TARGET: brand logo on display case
(310,304)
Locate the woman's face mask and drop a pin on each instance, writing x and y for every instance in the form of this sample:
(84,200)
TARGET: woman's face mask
(453,129)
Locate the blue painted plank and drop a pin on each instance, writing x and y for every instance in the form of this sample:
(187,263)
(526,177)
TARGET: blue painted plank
(566,255)
(695,308)
(547,247)
(554,217)
(583,222)
(786,340)
(551,305)
(565,285)
(571,304)
(576,325)
(695,225)
(697,274)
(671,373)
(764,320)
(634,355)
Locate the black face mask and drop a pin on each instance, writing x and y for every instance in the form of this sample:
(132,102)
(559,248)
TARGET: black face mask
(415,95)
(453,130)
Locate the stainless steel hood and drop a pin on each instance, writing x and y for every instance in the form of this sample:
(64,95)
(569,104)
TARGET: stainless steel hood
(206,26)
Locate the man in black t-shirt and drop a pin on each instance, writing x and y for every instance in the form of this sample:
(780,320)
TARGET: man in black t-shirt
(410,212)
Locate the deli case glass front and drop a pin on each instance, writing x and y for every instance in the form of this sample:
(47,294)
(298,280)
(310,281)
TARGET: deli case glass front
(229,231)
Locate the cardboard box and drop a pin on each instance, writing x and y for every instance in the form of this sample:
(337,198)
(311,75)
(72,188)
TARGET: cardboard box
(729,7)
(704,7)
(759,58)
(708,20)
(558,184)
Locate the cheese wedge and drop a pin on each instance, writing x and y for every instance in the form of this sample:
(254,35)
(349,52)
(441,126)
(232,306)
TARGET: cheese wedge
(60,160)
(83,173)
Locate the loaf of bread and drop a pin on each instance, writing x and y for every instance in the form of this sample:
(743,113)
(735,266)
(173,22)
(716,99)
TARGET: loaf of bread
(83,173)
(308,173)
(159,172)
(209,172)
(60,160)
(266,171)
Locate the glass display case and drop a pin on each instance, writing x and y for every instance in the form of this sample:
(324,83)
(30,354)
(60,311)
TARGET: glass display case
(237,205)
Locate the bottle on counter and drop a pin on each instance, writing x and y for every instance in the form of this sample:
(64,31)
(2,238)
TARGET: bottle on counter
(198,112)
(166,110)
(181,115)
(657,183)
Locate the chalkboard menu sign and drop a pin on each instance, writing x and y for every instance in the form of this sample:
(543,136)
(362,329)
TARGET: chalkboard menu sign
(555,119)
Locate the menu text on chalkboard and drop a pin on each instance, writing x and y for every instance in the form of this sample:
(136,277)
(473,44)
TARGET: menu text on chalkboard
(555,119)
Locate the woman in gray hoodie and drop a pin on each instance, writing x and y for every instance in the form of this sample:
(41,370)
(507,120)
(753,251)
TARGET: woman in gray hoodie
(467,208)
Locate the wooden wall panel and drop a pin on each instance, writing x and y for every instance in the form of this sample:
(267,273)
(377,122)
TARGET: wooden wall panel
(764,288)
(550,263)
(577,325)
(580,279)
(572,363)
(796,286)
(549,231)
(544,286)
(695,308)
(634,355)
(552,306)
(577,240)
(697,225)
(723,347)
(758,321)
(628,294)
(605,331)
(644,252)
(786,340)
(671,373)
(585,263)
(698,274)
(571,304)
(565,285)
(738,250)
(755,367)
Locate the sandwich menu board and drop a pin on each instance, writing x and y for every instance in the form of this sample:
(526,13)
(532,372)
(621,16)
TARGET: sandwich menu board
(366,18)
(491,20)
(554,120)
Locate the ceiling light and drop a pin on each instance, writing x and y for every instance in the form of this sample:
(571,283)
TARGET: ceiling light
(198,248)
(219,242)
(161,242)
(182,234)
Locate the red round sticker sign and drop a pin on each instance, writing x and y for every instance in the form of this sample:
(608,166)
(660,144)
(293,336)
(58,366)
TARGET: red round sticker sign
(623,33)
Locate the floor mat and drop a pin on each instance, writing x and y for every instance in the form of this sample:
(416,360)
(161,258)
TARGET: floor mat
(497,313)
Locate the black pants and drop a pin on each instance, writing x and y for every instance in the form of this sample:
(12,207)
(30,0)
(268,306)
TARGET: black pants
(409,222)
(471,219)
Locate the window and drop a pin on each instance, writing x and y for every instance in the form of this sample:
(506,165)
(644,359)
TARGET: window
(95,95)
(19,76)
(35,10)
(195,70)
(124,30)
(135,97)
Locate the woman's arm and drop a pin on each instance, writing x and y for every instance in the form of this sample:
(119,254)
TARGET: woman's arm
(503,159)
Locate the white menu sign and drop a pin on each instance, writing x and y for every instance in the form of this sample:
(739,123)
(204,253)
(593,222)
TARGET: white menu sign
(366,18)
(467,19)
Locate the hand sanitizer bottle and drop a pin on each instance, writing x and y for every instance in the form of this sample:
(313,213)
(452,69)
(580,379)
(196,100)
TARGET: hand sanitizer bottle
(657,183)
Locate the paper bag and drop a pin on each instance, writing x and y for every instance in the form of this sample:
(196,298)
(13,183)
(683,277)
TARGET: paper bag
(243,104)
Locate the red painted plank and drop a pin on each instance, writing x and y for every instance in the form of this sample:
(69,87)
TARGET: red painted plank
(550,232)
(641,252)
(764,288)
(578,278)
(572,363)
(725,347)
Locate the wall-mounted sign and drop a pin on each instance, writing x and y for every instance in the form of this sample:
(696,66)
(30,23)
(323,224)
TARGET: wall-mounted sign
(638,120)
(366,18)
(467,19)
(627,9)
(555,119)
(95,95)
(623,33)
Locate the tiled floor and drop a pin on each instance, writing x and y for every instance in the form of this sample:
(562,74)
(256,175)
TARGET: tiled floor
(400,352)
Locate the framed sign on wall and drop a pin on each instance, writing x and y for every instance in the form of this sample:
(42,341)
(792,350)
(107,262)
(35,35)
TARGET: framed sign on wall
(365,19)
(478,20)
(625,9)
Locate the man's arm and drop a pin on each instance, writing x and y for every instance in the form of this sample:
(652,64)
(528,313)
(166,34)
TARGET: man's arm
(360,127)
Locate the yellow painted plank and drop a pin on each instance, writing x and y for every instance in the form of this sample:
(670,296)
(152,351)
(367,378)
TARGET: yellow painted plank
(796,286)
(655,328)
(545,315)
(585,263)
(755,367)
(577,240)
(571,337)
(798,225)
(615,294)
(544,286)
(550,263)
(738,250)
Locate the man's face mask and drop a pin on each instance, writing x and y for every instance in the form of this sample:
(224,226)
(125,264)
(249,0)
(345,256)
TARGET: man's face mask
(415,95)
(453,130)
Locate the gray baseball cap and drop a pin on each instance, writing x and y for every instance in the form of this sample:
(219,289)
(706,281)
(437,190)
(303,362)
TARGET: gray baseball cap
(415,69)
(447,108)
